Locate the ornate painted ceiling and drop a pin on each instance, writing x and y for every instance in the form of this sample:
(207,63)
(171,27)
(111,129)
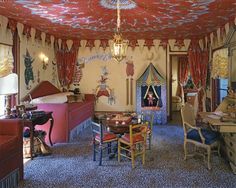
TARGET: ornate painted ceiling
(140,19)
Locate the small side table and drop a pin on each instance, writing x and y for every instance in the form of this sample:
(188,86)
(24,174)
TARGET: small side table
(39,120)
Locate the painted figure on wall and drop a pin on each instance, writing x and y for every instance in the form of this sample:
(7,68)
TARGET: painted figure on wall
(103,89)
(54,73)
(129,68)
(77,74)
(112,98)
(29,75)
(129,81)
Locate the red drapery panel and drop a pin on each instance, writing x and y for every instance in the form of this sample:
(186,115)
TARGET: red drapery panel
(66,61)
(61,67)
(182,75)
(204,66)
(183,69)
(198,63)
(70,60)
(194,59)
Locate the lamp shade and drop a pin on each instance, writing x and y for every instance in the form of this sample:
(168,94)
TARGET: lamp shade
(9,84)
(220,64)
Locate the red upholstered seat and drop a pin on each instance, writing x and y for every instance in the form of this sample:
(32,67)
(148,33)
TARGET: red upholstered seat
(128,142)
(106,136)
(102,140)
(11,148)
(136,138)
(148,130)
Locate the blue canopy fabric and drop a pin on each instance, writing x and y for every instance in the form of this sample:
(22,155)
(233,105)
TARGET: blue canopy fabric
(151,77)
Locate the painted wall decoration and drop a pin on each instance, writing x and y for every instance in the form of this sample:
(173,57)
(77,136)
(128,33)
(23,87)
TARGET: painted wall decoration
(54,73)
(103,89)
(77,77)
(129,68)
(78,74)
(38,76)
(112,98)
(29,75)
(100,56)
(129,81)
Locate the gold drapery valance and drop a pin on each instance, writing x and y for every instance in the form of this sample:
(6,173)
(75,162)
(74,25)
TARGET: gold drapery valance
(220,64)
(6,66)
(6,60)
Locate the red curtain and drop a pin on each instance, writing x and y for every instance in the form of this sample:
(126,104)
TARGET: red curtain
(204,66)
(198,61)
(70,60)
(194,59)
(66,61)
(60,67)
(183,69)
(182,76)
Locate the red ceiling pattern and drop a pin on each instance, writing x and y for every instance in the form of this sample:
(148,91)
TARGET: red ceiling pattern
(149,19)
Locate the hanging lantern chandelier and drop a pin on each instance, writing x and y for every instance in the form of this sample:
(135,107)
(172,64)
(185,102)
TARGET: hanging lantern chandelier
(119,45)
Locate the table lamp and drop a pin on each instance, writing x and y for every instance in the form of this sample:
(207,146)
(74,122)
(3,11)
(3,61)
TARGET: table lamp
(8,87)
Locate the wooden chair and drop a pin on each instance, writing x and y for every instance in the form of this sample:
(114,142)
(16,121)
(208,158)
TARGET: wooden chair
(101,140)
(199,137)
(148,117)
(134,143)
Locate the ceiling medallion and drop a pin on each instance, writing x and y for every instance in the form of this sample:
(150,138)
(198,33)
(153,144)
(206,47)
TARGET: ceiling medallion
(112,4)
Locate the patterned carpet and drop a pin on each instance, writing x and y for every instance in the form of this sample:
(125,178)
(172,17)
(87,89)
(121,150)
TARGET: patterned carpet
(71,165)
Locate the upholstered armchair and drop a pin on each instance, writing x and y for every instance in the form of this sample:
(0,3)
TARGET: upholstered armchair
(199,137)
(11,152)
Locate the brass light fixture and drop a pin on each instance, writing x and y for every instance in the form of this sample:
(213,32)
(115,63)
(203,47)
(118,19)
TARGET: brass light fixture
(119,45)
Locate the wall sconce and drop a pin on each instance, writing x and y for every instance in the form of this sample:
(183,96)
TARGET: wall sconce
(44,60)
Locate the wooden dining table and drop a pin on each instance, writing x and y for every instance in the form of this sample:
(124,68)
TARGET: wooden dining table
(119,124)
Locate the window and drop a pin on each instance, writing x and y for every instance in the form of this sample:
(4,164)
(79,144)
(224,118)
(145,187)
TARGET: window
(222,90)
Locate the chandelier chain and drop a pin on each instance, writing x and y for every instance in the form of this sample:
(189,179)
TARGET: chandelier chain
(119,45)
(118,15)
